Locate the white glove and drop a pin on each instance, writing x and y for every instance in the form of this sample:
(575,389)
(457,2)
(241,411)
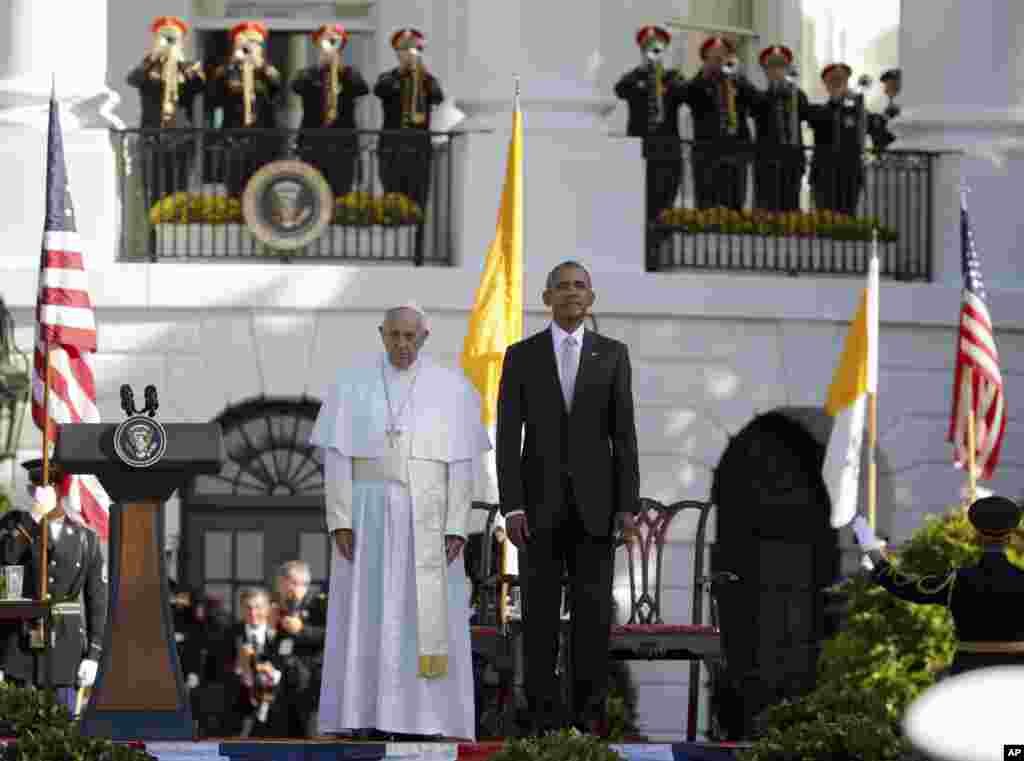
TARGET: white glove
(87,673)
(866,563)
(44,499)
(866,535)
(192,681)
(1,676)
(276,677)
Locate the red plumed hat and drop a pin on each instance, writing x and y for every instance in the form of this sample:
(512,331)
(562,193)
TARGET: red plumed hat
(778,55)
(712,43)
(404,36)
(252,27)
(337,29)
(173,21)
(647,33)
(833,67)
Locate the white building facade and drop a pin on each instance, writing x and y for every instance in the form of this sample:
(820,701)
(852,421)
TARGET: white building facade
(712,351)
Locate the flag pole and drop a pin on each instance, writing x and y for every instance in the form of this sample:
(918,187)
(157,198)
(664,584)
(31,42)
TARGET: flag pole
(506,543)
(873,411)
(968,383)
(972,473)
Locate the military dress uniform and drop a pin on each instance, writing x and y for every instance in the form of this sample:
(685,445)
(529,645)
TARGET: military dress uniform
(984,599)
(404,156)
(837,169)
(778,115)
(302,659)
(241,156)
(335,156)
(881,136)
(76,583)
(166,157)
(720,106)
(653,97)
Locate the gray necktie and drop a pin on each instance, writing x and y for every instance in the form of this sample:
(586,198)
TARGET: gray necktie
(568,369)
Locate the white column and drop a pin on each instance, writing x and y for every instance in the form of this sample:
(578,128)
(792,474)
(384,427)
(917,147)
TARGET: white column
(35,52)
(962,92)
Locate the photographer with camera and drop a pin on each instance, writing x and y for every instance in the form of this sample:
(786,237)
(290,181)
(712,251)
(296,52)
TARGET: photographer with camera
(720,99)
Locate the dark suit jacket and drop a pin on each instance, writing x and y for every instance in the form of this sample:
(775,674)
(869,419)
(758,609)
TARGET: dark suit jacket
(595,444)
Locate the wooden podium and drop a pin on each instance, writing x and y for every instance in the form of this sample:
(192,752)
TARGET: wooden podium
(139,692)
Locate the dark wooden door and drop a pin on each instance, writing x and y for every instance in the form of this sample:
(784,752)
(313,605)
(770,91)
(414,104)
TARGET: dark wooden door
(230,550)
(773,532)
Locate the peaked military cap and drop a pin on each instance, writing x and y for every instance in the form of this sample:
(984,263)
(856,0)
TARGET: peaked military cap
(994,517)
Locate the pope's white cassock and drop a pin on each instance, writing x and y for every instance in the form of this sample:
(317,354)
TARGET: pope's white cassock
(399,449)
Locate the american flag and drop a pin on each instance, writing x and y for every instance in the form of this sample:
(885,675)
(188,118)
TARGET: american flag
(66,327)
(976,350)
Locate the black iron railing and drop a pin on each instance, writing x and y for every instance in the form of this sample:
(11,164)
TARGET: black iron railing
(182,194)
(788,210)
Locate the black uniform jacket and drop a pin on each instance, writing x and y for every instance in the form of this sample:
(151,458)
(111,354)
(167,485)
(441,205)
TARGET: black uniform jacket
(76,572)
(309,84)
(984,600)
(389,90)
(146,79)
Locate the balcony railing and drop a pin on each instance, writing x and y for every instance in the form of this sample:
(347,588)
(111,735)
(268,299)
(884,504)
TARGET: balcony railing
(182,194)
(748,209)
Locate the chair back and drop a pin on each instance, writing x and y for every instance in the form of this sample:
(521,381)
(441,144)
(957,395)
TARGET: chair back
(642,557)
(484,566)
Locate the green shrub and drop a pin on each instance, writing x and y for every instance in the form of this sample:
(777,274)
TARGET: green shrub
(45,731)
(888,653)
(567,745)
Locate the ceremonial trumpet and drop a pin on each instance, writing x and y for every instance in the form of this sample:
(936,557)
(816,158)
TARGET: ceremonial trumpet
(333,75)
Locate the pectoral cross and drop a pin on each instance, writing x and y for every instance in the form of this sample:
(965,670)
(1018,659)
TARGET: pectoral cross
(394,433)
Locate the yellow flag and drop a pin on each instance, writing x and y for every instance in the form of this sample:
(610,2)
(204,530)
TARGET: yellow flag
(855,377)
(497,317)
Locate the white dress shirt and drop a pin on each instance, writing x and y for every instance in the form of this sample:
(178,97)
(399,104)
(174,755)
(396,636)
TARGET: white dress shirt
(558,337)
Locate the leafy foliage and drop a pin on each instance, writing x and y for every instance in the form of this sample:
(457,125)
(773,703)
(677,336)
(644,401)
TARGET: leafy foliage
(567,745)
(887,654)
(621,703)
(5,501)
(45,732)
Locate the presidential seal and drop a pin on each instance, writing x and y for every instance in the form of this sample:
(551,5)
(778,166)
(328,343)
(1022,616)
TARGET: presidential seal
(287,204)
(140,441)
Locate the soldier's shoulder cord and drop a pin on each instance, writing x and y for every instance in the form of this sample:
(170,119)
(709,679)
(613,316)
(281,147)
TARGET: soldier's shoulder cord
(928,585)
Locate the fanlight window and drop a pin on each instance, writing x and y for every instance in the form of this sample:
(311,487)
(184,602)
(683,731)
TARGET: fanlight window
(267,451)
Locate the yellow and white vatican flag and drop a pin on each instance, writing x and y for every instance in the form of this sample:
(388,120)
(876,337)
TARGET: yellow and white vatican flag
(855,381)
(496,320)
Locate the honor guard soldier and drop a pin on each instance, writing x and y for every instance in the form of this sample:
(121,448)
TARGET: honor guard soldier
(76,584)
(720,100)
(329,92)
(407,94)
(840,126)
(300,621)
(168,85)
(984,599)
(778,116)
(653,96)
(246,88)
(892,83)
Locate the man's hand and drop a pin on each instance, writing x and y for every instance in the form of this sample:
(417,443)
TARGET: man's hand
(291,624)
(87,672)
(630,532)
(518,530)
(345,539)
(453,546)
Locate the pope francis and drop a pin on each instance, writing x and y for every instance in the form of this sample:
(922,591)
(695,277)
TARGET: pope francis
(399,437)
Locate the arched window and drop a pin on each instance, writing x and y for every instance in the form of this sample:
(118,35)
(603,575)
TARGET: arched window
(264,508)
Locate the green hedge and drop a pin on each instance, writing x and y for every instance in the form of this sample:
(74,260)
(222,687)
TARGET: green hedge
(45,732)
(888,653)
